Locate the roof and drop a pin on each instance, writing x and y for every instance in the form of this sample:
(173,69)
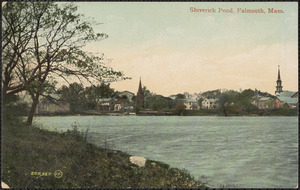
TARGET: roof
(288,100)
(104,99)
(265,98)
(295,95)
(191,100)
(286,94)
(210,100)
(120,101)
(26,98)
(288,97)
(126,92)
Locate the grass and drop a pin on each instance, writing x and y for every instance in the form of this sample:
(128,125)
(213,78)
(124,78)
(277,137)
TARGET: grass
(29,150)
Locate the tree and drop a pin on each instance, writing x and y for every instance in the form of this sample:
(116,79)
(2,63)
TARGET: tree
(226,100)
(180,108)
(171,102)
(147,97)
(74,95)
(43,41)
(212,93)
(200,102)
(94,93)
(158,103)
(180,96)
(224,103)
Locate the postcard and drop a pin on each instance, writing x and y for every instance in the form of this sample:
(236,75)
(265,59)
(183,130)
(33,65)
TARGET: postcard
(149,95)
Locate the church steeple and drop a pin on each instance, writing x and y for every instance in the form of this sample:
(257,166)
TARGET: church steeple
(279,83)
(278,72)
(140,95)
(140,86)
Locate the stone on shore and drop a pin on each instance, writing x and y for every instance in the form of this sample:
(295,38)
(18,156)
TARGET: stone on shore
(137,160)
(4,185)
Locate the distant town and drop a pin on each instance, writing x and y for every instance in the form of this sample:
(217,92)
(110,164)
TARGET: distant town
(103,100)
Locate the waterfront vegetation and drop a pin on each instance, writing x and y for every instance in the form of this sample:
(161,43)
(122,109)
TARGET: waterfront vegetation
(87,101)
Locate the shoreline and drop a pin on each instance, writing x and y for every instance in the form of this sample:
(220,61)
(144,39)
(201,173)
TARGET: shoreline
(157,115)
(109,168)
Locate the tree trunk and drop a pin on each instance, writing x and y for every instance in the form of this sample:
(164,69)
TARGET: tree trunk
(224,109)
(32,110)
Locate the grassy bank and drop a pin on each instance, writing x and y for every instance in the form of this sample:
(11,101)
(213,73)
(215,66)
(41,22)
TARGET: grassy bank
(26,151)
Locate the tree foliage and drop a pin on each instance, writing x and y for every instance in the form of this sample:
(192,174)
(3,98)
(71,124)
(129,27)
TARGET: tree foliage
(158,103)
(180,108)
(43,41)
(84,99)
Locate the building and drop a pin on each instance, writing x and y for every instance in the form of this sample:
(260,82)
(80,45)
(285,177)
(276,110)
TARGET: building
(191,104)
(279,83)
(105,104)
(264,102)
(119,105)
(140,96)
(287,98)
(49,105)
(209,103)
(122,106)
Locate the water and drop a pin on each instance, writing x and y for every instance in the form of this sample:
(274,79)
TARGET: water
(235,152)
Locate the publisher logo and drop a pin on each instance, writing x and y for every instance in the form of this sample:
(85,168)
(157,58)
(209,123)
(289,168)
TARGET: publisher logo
(58,174)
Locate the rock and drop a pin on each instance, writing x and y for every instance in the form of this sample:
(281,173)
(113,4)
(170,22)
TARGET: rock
(4,185)
(137,160)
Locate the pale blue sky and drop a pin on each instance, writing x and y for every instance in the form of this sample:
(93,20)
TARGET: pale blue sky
(175,50)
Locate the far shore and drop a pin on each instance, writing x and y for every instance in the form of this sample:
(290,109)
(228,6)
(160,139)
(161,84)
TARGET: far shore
(158,115)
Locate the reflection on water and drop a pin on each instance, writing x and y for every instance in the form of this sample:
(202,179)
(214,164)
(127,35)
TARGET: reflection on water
(224,151)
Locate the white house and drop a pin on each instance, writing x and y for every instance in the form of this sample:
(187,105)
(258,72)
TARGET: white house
(122,105)
(106,104)
(119,105)
(191,104)
(209,103)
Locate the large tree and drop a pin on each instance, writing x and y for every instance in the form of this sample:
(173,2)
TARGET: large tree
(94,93)
(43,41)
(74,95)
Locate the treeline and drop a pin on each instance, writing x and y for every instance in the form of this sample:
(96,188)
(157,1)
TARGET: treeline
(229,103)
(83,98)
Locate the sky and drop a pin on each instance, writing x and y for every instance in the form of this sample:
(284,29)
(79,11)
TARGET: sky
(175,50)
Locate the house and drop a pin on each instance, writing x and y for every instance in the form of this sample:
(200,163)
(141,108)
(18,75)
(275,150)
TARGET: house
(51,105)
(287,97)
(119,105)
(105,104)
(264,102)
(191,104)
(123,106)
(209,103)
